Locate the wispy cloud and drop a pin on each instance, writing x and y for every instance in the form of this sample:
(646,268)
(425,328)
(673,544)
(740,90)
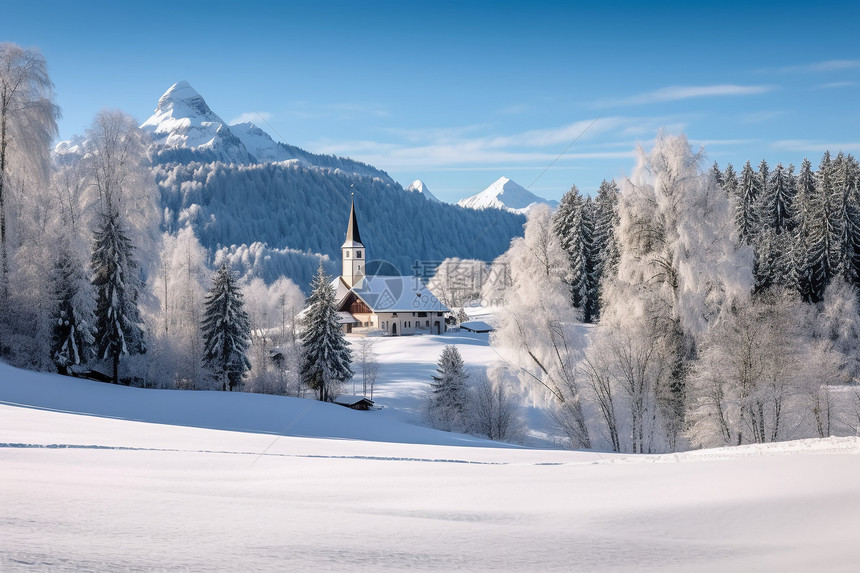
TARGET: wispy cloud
(816,68)
(254,117)
(816,146)
(836,85)
(678,93)
(466,148)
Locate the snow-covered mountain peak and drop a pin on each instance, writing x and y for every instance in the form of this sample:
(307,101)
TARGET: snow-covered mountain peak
(418,186)
(504,193)
(184,121)
(182,94)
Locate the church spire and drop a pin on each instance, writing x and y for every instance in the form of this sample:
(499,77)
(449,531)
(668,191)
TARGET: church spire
(352,234)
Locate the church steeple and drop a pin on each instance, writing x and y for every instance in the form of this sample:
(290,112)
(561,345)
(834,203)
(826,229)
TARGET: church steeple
(353,251)
(352,234)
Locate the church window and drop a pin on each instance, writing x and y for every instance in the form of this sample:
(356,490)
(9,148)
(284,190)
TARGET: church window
(358,255)
(347,254)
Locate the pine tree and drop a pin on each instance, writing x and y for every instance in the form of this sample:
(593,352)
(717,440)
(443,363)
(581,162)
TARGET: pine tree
(593,253)
(778,201)
(568,227)
(717,175)
(116,279)
(820,240)
(846,172)
(804,217)
(449,395)
(605,223)
(326,361)
(71,338)
(574,225)
(226,330)
(730,181)
(746,206)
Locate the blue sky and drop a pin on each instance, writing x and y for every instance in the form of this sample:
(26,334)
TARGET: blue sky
(459,94)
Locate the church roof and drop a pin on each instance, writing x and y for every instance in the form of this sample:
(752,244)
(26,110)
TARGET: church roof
(353,237)
(384,293)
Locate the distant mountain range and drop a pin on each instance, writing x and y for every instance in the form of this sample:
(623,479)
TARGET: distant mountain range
(273,209)
(506,195)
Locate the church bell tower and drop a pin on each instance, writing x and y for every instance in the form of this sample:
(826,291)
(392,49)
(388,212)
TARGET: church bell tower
(354,255)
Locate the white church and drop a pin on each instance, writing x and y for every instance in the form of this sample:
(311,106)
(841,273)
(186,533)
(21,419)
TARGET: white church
(391,305)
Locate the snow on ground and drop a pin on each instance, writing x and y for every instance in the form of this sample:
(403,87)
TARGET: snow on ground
(103,478)
(82,492)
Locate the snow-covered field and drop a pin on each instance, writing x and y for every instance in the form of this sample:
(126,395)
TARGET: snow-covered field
(101,492)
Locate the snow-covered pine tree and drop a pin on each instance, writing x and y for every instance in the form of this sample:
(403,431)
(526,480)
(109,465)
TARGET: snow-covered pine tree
(326,361)
(730,181)
(574,224)
(746,205)
(717,175)
(226,330)
(846,173)
(449,396)
(605,224)
(71,338)
(778,201)
(763,179)
(802,269)
(116,279)
(568,224)
(819,240)
(593,255)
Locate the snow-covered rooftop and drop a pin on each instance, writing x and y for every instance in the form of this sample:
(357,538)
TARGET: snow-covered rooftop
(397,294)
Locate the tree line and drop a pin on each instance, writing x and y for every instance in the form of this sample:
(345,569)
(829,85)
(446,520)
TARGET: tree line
(726,305)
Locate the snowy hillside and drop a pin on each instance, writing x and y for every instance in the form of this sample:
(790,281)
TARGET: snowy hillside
(99,492)
(418,186)
(294,208)
(507,195)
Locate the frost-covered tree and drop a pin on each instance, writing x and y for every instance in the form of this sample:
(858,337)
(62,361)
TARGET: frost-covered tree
(226,330)
(28,124)
(448,401)
(494,411)
(537,327)
(755,371)
(116,279)
(368,364)
(272,310)
(177,341)
(679,265)
(327,357)
(118,178)
(458,282)
(72,337)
